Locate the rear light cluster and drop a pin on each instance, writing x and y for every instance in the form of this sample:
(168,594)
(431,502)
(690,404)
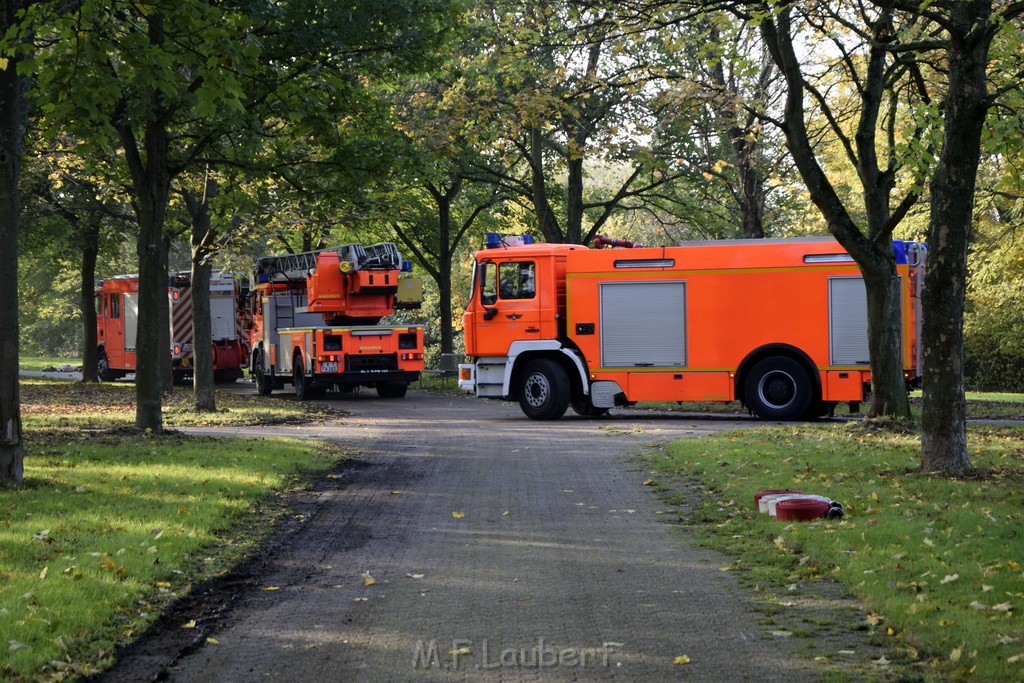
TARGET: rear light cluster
(412,356)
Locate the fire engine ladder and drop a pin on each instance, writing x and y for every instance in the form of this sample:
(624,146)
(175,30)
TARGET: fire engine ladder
(383,256)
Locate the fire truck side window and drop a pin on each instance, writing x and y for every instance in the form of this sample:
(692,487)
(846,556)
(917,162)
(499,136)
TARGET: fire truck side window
(517,280)
(488,284)
(115,305)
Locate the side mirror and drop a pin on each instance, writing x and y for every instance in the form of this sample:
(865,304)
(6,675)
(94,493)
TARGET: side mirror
(489,313)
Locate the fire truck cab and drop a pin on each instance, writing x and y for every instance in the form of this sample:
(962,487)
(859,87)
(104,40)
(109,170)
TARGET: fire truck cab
(779,324)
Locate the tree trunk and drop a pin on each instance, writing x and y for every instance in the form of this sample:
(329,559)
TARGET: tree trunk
(885,341)
(944,424)
(164,347)
(546,222)
(152,298)
(444,279)
(90,253)
(151,188)
(202,342)
(874,255)
(574,204)
(12,141)
(752,192)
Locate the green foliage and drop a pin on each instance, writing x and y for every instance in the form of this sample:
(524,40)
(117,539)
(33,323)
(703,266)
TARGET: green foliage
(934,561)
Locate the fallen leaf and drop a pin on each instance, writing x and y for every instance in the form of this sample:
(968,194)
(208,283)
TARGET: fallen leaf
(1003,607)
(649,482)
(950,578)
(977,605)
(272,588)
(460,651)
(506,513)
(15,646)
(681,659)
(782,634)
(360,599)
(163,584)
(367,579)
(882,661)
(929,542)
(875,619)
(212,641)
(43,535)
(189,624)
(1007,640)
(458,514)
(396,493)
(956,653)
(415,576)
(1014,659)
(42,574)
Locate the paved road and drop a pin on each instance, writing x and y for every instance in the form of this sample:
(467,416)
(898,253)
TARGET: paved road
(501,549)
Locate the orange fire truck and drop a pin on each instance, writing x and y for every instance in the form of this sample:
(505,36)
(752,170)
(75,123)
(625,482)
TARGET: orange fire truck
(779,324)
(315,321)
(117,308)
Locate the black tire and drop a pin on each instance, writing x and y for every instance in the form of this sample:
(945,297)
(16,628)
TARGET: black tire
(584,408)
(103,370)
(264,384)
(544,390)
(303,391)
(392,389)
(778,388)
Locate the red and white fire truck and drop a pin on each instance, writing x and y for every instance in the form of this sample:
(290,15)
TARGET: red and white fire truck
(316,321)
(117,308)
(779,324)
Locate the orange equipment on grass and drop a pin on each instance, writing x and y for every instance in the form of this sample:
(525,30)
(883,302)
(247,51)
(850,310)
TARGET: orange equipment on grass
(779,324)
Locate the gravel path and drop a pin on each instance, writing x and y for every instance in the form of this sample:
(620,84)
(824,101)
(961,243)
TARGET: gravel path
(499,549)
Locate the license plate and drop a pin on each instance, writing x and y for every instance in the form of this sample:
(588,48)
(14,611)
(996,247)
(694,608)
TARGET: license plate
(328,367)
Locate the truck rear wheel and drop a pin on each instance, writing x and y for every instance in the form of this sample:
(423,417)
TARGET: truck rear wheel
(778,388)
(303,391)
(544,392)
(264,384)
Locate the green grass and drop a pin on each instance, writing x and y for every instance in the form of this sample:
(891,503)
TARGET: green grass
(108,527)
(980,406)
(60,404)
(937,563)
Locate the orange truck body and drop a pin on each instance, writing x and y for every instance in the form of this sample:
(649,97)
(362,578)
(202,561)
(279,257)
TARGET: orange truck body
(315,322)
(779,324)
(117,305)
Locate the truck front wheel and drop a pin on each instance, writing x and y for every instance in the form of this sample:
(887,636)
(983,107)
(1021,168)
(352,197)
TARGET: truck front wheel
(103,370)
(778,388)
(544,392)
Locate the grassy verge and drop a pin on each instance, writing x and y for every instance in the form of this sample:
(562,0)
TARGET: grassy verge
(108,527)
(60,404)
(937,562)
(980,406)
